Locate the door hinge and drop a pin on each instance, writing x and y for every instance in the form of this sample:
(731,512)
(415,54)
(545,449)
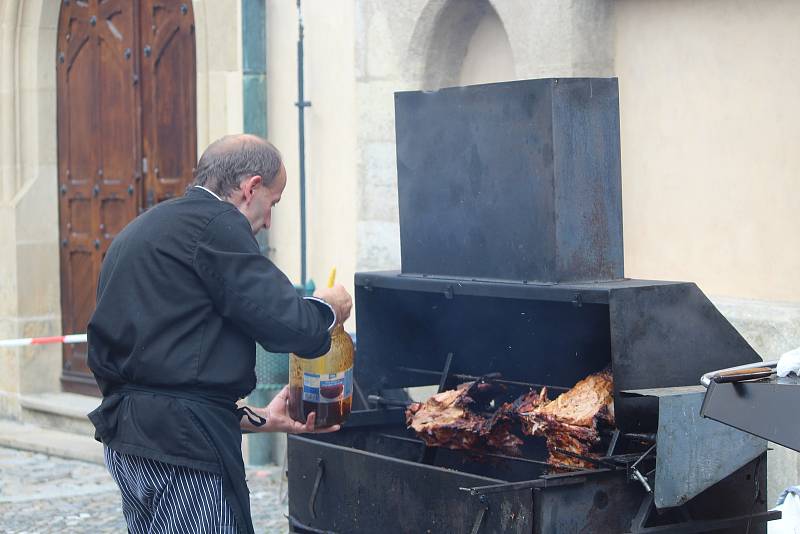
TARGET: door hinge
(144,165)
(150,198)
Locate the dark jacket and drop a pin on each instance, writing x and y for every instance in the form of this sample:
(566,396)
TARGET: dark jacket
(183,295)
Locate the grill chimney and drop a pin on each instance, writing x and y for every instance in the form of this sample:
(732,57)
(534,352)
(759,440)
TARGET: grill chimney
(512,181)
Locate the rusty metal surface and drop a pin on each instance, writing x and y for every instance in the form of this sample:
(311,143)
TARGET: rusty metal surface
(515,180)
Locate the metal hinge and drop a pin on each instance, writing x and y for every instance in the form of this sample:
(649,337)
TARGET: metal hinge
(150,198)
(144,165)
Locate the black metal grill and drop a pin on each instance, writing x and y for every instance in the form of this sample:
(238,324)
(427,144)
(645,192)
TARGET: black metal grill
(532,167)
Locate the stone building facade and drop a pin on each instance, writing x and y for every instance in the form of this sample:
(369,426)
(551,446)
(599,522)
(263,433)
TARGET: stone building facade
(709,127)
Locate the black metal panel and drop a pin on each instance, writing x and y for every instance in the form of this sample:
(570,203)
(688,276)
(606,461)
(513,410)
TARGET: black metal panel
(539,341)
(402,444)
(516,180)
(744,493)
(588,292)
(588,187)
(665,336)
(337,487)
(654,334)
(607,502)
(363,492)
(765,408)
(602,504)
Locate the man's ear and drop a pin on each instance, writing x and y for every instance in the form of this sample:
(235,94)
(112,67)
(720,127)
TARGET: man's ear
(250,185)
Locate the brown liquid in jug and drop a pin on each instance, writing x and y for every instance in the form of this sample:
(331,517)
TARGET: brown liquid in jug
(328,379)
(328,413)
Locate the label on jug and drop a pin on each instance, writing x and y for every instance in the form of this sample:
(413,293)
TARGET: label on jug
(334,387)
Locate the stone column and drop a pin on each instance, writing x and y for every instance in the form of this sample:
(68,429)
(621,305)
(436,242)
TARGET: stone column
(29,272)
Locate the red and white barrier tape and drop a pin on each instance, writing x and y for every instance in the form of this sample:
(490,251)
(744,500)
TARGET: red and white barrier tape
(22,342)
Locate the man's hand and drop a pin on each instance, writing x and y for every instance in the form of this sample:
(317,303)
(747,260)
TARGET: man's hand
(338,298)
(277,415)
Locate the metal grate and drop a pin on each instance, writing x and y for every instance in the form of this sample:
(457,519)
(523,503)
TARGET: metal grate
(272,369)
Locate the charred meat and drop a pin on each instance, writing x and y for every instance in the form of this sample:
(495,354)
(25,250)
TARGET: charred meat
(455,419)
(570,422)
(461,419)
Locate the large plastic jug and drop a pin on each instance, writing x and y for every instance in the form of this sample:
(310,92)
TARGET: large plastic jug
(323,385)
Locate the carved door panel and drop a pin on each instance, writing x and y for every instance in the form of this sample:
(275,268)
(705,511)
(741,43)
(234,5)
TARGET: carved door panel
(98,155)
(168,98)
(101,110)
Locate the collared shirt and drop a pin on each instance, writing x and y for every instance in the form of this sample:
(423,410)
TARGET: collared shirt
(209,191)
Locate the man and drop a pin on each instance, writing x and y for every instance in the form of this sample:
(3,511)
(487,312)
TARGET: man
(183,295)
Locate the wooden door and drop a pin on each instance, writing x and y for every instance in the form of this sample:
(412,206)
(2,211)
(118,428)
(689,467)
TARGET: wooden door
(168,97)
(101,140)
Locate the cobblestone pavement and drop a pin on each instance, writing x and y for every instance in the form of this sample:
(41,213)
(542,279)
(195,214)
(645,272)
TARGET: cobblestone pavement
(43,494)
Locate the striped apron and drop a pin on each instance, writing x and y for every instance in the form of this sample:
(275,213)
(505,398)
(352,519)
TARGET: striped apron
(159,498)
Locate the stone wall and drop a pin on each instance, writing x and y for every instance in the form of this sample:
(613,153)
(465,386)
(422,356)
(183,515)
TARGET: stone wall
(29,272)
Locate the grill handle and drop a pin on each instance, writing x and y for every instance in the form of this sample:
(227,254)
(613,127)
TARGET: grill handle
(313,498)
(740,370)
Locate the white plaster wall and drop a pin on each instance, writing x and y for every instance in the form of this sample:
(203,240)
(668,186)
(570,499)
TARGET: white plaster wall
(284,236)
(330,130)
(710,167)
(710,131)
(218,45)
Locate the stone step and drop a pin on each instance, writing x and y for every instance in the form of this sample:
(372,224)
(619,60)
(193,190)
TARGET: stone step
(59,443)
(59,411)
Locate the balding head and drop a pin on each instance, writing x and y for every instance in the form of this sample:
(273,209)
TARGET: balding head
(233,158)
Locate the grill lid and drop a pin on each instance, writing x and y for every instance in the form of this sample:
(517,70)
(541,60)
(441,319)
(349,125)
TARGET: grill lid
(653,334)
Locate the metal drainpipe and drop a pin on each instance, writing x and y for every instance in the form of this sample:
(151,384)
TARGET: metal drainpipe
(271,369)
(301,104)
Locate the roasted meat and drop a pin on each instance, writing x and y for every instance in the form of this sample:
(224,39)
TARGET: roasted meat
(589,401)
(570,422)
(461,419)
(455,419)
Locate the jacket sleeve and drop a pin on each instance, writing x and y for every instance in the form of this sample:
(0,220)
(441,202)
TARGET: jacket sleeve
(248,290)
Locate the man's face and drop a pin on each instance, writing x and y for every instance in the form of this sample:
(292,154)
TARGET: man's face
(255,200)
(265,198)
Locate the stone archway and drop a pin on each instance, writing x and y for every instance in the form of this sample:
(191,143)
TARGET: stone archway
(30,303)
(546,39)
(488,57)
(442,40)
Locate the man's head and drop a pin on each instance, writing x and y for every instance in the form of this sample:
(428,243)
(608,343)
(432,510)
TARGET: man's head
(248,172)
